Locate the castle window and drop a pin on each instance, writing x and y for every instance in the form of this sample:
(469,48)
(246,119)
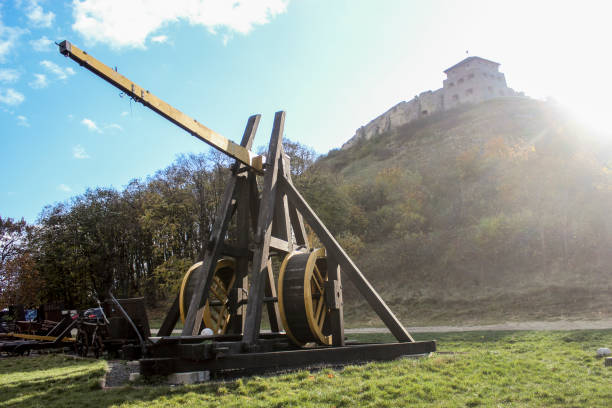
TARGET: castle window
(451,84)
(424,113)
(460,80)
(470,76)
(469,91)
(456,97)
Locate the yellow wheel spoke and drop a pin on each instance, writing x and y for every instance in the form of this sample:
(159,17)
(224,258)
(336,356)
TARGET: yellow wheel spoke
(316,284)
(217,295)
(221,285)
(318,275)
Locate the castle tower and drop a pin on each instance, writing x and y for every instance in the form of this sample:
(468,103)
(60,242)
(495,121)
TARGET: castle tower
(474,79)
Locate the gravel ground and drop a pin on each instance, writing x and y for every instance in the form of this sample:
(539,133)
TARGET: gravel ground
(118,373)
(534,325)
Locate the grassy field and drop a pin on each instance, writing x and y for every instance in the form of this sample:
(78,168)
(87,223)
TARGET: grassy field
(490,369)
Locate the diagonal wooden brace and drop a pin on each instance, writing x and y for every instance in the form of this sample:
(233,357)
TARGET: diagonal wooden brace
(335,251)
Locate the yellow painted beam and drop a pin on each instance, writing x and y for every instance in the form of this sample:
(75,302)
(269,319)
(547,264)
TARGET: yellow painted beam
(151,101)
(36,337)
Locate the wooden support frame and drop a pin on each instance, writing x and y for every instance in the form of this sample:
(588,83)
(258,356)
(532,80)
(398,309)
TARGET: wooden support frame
(277,219)
(213,251)
(263,234)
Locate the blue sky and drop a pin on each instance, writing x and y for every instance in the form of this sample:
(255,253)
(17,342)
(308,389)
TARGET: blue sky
(332,65)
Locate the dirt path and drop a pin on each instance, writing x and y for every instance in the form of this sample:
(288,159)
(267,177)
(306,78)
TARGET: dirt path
(534,325)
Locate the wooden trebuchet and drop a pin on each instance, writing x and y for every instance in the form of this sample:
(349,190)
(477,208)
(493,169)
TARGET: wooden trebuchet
(305,313)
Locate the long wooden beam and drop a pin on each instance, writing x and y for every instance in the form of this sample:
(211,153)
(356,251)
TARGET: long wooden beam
(160,107)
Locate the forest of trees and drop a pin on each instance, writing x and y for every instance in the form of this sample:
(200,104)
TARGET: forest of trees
(516,202)
(136,242)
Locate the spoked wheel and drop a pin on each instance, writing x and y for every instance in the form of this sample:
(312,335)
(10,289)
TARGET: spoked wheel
(301,297)
(216,314)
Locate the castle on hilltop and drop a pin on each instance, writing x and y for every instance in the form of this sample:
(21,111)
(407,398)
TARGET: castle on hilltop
(472,80)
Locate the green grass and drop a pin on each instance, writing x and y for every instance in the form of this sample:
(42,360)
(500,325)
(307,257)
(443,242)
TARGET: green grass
(491,369)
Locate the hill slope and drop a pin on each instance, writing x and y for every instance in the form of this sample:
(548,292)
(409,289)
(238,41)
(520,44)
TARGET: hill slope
(490,211)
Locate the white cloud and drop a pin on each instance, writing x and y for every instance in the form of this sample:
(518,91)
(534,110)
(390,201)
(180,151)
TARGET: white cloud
(114,126)
(59,72)
(64,188)
(39,82)
(9,75)
(11,97)
(23,121)
(8,39)
(160,39)
(43,44)
(37,15)
(128,24)
(91,125)
(78,152)
(125,113)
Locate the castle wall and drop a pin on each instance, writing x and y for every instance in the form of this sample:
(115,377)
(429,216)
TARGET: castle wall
(472,80)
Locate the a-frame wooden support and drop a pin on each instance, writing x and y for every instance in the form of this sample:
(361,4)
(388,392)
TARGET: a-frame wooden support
(276,216)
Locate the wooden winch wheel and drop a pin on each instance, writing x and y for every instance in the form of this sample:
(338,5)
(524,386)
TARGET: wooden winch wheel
(301,297)
(216,314)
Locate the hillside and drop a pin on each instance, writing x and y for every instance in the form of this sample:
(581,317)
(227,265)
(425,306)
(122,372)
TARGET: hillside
(492,211)
(479,214)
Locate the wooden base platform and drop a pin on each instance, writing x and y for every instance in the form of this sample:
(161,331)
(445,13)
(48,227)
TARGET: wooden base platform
(175,355)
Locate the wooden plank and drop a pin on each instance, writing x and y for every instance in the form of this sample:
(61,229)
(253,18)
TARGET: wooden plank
(335,250)
(171,318)
(263,234)
(272,307)
(224,145)
(242,262)
(297,222)
(205,272)
(254,200)
(279,244)
(280,360)
(281,225)
(336,314)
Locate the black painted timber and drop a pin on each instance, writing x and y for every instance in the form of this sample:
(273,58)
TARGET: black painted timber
(282,360)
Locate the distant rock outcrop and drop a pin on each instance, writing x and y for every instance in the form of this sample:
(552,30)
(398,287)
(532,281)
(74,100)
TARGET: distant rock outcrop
(472,80)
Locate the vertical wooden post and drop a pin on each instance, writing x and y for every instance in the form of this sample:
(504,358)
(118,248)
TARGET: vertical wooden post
(336,303)
(272,307)
(263,234)
(242,262)
(253,200)
(213,250)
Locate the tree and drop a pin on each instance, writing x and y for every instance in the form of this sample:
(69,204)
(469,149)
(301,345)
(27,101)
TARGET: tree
(18,283)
